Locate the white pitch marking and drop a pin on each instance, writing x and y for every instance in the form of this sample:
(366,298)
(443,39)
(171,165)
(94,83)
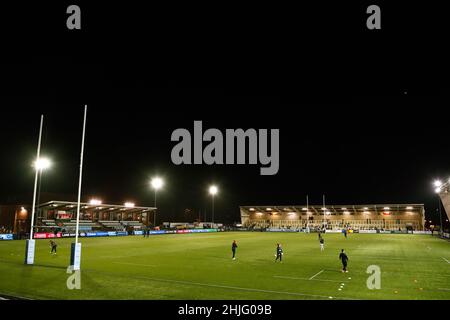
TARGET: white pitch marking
(241,288)
(445,260)
(306,279)
(443,289)
(316,274)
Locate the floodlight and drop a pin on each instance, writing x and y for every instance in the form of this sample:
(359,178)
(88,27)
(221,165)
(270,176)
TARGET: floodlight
(42,164)
(437,183)
(213,190)
(129,204)
(157,183)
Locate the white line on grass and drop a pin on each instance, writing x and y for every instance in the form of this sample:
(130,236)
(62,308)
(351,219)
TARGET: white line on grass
(136,264)
(443,289)
(316,274)
(445,260)
(308,279)
(245,289)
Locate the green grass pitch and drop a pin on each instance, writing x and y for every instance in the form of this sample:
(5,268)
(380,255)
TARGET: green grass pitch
(199,266)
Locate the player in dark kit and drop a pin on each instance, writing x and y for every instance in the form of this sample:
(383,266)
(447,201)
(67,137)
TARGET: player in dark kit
(343,257)
(344,231)
(233,249)
(279,252)
(53,245)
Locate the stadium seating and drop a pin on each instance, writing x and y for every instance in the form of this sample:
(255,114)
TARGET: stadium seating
(116,225)
(333,224)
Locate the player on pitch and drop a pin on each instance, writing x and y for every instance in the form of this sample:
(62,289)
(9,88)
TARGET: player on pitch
(344,259)
(233,249)
(53,245)
(279,253)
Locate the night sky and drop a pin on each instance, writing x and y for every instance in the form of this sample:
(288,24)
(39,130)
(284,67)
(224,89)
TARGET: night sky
(361,115)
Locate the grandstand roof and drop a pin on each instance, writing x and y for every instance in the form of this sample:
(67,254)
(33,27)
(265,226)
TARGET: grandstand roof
(111,208)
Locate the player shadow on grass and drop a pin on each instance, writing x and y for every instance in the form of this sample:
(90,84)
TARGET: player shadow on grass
(50,266)
(33,265)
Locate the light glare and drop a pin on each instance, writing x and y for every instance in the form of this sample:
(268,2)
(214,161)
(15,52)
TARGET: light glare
(213,190)
(157,183)
(42,164)
(437,183)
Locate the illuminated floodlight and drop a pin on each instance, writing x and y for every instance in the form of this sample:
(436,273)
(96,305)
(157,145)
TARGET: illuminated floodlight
(437,183)
(251,209)
(365,208)
(213,190)
(386,208)
(344,209)
(437,190)
(268,209)
(346,212)
(42,164)
(157,183)
(324,209)
(409,208)
(304,209)
(95,202)
(129,204)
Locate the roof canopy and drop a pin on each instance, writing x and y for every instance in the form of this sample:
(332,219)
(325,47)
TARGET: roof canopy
(110,208)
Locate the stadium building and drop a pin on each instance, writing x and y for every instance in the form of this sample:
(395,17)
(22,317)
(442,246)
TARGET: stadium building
(444,194)
(93,216)
(359,217)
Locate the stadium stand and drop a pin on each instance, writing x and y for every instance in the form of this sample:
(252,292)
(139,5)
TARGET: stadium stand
(358,217)
(61,214)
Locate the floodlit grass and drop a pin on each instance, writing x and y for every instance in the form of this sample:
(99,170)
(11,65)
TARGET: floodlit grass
(199,266)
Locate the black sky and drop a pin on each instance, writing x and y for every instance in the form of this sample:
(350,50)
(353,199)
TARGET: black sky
(361,115)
